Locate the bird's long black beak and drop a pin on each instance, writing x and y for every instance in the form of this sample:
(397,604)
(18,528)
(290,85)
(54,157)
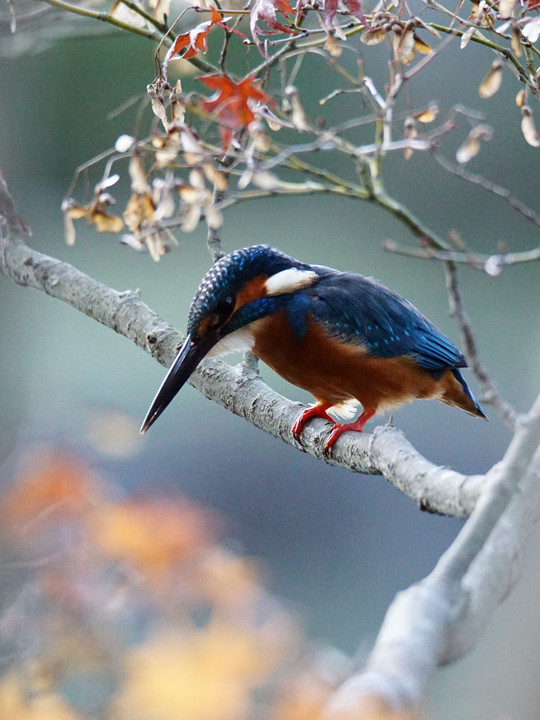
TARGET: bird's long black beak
(189,356)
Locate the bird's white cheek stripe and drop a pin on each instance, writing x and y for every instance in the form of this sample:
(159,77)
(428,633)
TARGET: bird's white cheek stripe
(287,281)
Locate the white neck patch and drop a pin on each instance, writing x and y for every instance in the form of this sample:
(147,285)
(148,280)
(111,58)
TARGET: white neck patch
(287,281)
(238,341)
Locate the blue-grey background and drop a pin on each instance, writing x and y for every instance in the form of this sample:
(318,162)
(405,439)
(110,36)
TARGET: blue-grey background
(338,546)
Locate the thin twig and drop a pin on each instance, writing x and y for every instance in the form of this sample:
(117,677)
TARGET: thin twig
(105,17)
(457,311)
(213,237)
(490,186)
(492,264)
(148,17)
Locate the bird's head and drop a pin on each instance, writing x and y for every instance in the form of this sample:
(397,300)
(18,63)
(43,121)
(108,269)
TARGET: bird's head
(242,287)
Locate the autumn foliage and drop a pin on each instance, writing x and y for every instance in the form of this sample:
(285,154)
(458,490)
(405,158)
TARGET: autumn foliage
(130,608)
(254,135)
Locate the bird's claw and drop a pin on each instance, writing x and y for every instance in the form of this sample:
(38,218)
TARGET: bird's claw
(336,432)
(307,414)
(340,428)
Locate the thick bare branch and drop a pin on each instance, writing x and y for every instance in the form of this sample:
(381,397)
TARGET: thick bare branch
(385,451)
(439,619)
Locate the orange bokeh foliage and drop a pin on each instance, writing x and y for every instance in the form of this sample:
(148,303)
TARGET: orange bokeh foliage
(52,486)
(136,600)
(154,535)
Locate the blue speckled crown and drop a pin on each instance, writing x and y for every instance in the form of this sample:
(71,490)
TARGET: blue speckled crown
(229,273)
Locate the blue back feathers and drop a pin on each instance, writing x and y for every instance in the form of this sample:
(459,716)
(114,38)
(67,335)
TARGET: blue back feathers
(359,310)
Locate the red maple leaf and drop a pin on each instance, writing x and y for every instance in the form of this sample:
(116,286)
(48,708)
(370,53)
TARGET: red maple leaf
(232,103)
(189,44)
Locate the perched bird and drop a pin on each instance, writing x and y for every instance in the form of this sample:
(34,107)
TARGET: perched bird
(346,338)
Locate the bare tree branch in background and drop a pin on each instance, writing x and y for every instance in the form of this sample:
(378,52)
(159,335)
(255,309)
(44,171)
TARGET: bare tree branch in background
(440,619)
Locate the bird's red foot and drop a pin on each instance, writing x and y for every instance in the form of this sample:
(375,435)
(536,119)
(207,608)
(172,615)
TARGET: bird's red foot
(340,428)
(315,411)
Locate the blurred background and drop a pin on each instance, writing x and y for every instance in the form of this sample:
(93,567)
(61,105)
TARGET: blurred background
(334,547)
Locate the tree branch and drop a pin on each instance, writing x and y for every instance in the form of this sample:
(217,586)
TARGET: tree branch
(457,311)
(385,451)
(439,619)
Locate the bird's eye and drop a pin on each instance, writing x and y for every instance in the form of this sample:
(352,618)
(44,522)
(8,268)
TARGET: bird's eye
(223,310)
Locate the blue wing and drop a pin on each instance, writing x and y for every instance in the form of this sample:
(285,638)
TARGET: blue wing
(360,310)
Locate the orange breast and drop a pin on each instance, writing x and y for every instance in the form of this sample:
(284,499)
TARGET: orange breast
(334,372)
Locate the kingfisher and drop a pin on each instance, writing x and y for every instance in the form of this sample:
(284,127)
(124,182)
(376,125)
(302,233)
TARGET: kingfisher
(345,338)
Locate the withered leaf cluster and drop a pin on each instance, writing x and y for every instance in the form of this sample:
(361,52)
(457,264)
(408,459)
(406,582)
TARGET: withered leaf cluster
(181,173)
(132,608)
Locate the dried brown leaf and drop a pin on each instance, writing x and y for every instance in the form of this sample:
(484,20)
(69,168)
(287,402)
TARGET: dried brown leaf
(332,46)
(528,127)
(178,110)
(373,37)
(140,208)
(421,46)
(72,210)
(492,81)
(506,8)
(107,223)
(167,148)
(404,45)
(158,107)
(520,98)
(467,35)
(298,116)
(215,176)
(137,173)
(428,115)
(531,30)
(95,213)
(260,139)
(472,145)
(516,41)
